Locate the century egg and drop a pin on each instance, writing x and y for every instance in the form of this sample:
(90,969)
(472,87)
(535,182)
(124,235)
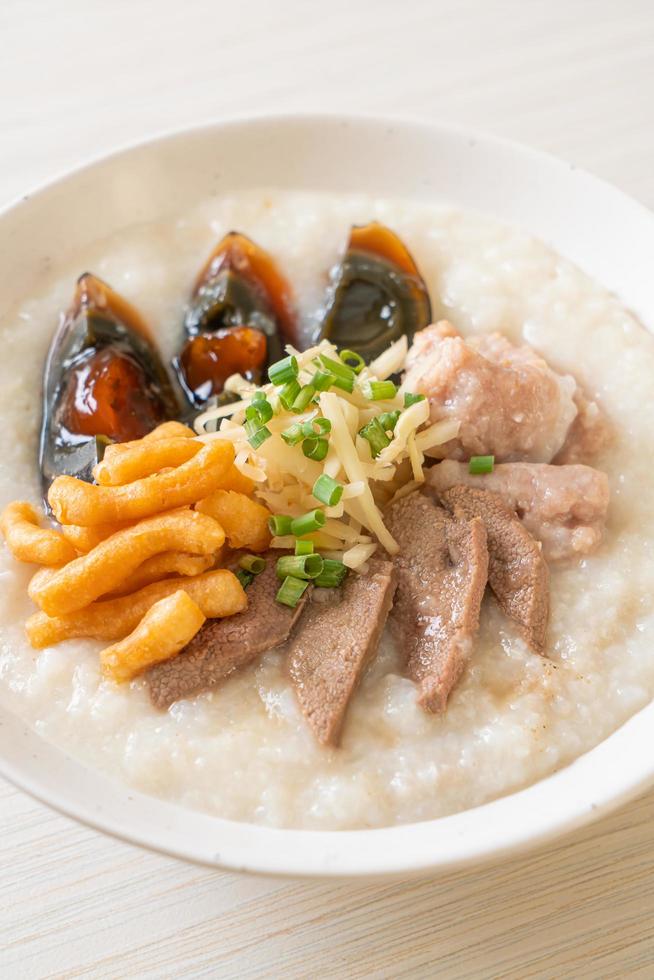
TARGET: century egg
(104,381)
(376,293)
(240,316)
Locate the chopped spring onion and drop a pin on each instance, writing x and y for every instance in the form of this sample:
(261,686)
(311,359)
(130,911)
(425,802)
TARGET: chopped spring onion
(374,433)
(245,578)
(322,380)
(345,384)
(259,396)
(303,398)
(388,420)
(289,393)
(293,434)
(291,591)
(311,521)
(280,524)
(299,566)
(252,564)
(264,408)
(343,375)
(333,573)
(337,368)
(259,411)
(327,491)
(258,436)
(376,391)
(304,547)
(283,371)
(315,447)
(481,464)
(352,360)
(410,398)
(316,427)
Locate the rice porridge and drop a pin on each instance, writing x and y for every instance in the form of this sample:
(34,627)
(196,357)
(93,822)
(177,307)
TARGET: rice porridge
(243,751)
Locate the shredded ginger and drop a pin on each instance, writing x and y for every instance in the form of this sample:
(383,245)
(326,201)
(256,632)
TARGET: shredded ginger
(285,477)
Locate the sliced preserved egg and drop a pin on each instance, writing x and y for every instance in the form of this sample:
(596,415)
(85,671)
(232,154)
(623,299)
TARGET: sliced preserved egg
(240,316)
(104,381)
(376,293)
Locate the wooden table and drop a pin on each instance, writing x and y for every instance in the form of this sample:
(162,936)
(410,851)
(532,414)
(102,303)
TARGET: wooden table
(76,78)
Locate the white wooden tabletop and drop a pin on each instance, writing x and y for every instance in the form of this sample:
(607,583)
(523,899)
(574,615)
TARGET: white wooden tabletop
(575,77)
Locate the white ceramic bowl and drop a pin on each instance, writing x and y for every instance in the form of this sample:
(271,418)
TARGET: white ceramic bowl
(610,236)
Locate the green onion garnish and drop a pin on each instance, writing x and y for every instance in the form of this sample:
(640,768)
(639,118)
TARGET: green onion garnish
(260,411)
(316,427)
(252,564)
(245,578)
(259,436)
(315,448)
(291,591)
(283,371)
(410,398)
(374,433)
(303,398)
(311,521)
(322,380)
(337,368)
(345,384)
(327,491)
(481,464)
(289,393)
(304,547)
(259,396)
(280,525)
(299,566)
(343,375)
(352,360)
(388,420)
(264,409)
(293,434)
(333,573)
(375,391)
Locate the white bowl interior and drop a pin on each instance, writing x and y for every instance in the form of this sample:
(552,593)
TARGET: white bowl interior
(607,234)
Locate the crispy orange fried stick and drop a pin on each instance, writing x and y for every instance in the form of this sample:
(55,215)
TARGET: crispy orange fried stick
(86,538)
(244,521)
(113,560)
(234,480)
(129,461)
(27,541)
(165,629)
(217,594)
(170,430)
(160,566)
(76,502)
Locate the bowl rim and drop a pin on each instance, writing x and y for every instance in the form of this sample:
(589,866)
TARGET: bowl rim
(512,824)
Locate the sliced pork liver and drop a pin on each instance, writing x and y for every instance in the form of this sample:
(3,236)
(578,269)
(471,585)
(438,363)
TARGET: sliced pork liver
(508,400)
(334,643)
(442,568)
(564,507)
(517,571)
(223,646)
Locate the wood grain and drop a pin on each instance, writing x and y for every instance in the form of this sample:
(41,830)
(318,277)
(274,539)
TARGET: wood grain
(76,79)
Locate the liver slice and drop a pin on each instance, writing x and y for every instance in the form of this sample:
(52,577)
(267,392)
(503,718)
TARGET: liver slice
(517,572)
(224,646)
(442,568)
(334,644)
